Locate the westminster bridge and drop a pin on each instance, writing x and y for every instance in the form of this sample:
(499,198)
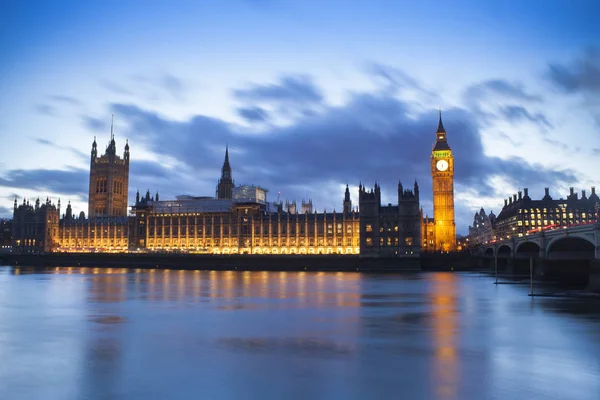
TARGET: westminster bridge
(568,253)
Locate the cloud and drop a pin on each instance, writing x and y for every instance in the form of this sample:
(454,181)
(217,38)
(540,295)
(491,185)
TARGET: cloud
(72,101)
(581,75)
(77,152)
(299,90)
(516,114)
(73,181)
(395,79)
(507,138)
(253,114)
(45,109)
(115,87)
(499,87)
(372,137)
(95,124)
(174,86)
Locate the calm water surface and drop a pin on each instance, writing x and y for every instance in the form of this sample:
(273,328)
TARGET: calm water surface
(85,333)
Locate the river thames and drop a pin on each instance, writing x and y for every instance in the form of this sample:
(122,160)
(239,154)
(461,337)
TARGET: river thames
(90,333)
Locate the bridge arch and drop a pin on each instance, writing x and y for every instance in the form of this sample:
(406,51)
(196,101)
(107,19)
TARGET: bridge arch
(504,250)
(580,244)
(527,248)
(489,252)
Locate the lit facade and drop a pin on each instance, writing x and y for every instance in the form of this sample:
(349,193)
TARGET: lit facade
(238,220)
(521,215)
(443,237)
(221,226)
(35,226)
(481,231)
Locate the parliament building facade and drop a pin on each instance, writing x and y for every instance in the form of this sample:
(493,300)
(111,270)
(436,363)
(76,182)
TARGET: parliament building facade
(239,219)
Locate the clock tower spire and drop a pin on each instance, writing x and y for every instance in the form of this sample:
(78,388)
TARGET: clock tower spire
(442,176)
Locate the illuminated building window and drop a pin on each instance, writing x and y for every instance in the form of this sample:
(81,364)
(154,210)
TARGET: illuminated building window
(396,228)
(389,241)
(369,228)
(408,241)
(369,242)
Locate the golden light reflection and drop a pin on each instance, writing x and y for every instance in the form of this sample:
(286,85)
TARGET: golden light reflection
(444,292)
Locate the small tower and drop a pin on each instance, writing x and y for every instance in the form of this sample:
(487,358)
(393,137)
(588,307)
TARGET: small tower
(225,185)
(347,201)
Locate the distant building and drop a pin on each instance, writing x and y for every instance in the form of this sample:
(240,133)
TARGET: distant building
(482,229)
(5,233)
(522,215)
(392,230)
(35,226)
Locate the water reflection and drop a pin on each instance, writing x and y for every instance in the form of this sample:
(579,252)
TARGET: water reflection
(96,333)
(443,295)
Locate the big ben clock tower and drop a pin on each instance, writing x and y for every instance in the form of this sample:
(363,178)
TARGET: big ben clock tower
(442,174)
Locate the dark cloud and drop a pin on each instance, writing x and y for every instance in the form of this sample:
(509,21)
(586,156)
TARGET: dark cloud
(508,139)
(77,152)
(581,75)
(499,87)
(372,137)
(145,168)
(299,89)
(115,87)
(174,86)
(73,181)
(95,124)
(395,80)
(253,114)
(516,114)
(72,101)
(45,109)
(6,212)
(557,143)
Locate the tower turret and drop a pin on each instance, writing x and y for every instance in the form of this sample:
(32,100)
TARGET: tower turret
(126,153)
(225,185)
(347,201)
(94,150)
(416,189)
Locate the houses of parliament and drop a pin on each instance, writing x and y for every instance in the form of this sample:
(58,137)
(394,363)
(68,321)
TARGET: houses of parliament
(239,219)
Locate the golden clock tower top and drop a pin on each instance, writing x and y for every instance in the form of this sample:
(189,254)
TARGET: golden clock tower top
(441,142)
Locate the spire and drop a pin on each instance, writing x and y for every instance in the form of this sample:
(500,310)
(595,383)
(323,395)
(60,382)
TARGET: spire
(112,123)
(440,128)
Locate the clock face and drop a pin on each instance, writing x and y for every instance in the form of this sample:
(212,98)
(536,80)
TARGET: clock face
(442,165)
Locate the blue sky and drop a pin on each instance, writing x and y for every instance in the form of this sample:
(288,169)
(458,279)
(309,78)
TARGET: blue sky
(310,95)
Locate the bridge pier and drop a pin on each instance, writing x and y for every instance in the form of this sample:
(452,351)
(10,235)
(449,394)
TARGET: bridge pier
(594,280)
(540,268)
